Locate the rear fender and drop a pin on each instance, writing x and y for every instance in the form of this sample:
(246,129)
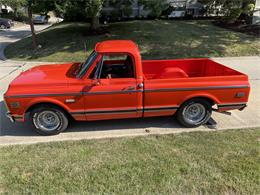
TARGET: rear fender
(202,95)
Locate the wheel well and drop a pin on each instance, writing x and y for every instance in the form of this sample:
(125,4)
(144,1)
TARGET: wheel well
(211,101)
(47,104)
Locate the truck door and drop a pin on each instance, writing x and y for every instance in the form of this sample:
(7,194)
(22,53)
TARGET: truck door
(114,92)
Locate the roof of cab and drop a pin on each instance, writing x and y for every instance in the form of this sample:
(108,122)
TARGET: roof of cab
(116,46)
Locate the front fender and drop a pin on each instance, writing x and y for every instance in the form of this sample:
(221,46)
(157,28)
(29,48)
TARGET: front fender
(47,100)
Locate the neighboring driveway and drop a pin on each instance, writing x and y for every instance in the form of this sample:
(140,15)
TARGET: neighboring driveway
(20,133)
(8,36)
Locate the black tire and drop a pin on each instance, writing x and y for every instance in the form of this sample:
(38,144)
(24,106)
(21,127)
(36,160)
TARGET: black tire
(205,116)
(57,112)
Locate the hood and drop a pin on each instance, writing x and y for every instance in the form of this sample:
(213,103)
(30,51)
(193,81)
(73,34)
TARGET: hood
(44,75)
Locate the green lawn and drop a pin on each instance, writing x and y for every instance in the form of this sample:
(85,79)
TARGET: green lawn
(221,162)
(156,39)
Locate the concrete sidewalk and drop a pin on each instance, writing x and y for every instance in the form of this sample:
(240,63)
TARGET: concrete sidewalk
(20,133)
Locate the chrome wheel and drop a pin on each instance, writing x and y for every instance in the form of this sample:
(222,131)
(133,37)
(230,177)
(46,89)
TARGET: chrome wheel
(47,120)
(194,113)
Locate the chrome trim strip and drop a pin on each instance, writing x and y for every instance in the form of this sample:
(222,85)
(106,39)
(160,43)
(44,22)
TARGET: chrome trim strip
(125,111)
(104,111)
(198,88)
(232,104)
(111,92)
(166,110)
(74,94)
(45,95)
(161,108)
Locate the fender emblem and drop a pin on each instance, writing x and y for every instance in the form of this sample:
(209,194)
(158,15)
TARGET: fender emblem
(70,100)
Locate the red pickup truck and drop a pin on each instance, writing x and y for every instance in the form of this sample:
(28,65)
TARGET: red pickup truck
(115,83)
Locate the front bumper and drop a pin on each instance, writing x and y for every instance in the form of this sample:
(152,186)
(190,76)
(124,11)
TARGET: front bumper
(11,118)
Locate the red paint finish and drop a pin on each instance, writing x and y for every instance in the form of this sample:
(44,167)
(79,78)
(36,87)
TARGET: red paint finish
(157,88)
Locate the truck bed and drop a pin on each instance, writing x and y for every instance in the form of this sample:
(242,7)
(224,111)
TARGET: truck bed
(185,68)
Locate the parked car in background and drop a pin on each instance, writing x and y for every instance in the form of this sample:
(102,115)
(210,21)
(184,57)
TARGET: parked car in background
(41,19)
(6,23)
(177,14)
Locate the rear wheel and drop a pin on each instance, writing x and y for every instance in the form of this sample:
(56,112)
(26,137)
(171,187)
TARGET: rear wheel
(48,120)
(194,112)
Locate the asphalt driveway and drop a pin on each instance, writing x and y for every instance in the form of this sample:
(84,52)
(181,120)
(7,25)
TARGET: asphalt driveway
(8,36)
(20,133)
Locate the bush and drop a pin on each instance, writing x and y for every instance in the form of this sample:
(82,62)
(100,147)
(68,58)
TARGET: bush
(233,15)
(127,10)
(19,16)
(115,15)
(74,11)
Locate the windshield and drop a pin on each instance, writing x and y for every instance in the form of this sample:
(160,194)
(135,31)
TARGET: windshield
(85,65)
(38,17)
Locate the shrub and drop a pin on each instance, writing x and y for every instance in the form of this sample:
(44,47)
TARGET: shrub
(233,15)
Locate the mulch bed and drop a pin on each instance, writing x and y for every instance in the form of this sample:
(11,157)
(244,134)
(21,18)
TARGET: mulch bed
(251,29)
(99,31)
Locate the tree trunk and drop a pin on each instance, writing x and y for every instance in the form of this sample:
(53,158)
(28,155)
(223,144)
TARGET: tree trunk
(15,13)
(94,25)
(34,41)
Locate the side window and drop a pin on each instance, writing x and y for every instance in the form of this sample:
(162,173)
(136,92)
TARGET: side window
(117,66)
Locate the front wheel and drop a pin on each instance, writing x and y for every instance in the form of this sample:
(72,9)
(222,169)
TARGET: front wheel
(48,120)
(194,112)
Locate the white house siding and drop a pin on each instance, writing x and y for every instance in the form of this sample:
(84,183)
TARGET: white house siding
(256,17)
(137,10)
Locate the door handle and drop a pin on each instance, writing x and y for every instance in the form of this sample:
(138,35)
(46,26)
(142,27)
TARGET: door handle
(140,85)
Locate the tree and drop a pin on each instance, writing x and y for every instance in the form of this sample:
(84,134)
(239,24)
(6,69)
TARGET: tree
(231,9)
(155,6)
(124,7)
(43,6)
(34,41)
(93,9)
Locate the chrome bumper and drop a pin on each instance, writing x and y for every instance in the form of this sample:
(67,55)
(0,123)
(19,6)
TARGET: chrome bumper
(11,118)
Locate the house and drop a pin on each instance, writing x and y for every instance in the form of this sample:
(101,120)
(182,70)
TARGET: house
(109,9)
(256,16)
(195,9)
(5,9)
(183,7)
(190,8)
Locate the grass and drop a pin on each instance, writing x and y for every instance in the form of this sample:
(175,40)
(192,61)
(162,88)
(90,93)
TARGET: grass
(157,40)
(221,162)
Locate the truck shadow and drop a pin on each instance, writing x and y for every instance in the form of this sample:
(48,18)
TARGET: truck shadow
(7,128)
